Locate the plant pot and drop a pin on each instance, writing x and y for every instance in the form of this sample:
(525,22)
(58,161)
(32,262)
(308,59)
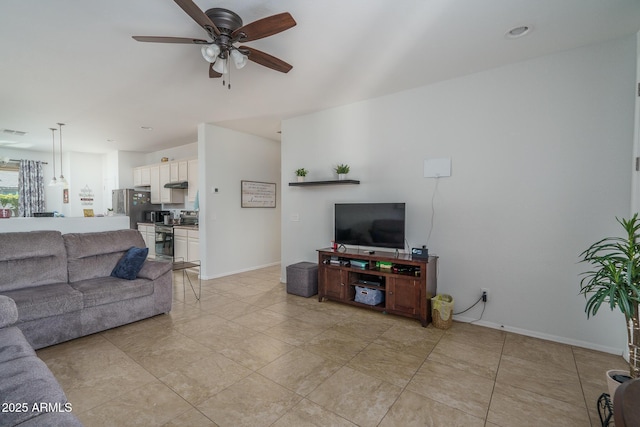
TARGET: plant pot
(5,213)
(342,176)
(612,383)
(301,179)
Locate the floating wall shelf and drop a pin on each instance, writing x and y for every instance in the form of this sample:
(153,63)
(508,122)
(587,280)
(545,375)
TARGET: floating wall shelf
(332,182)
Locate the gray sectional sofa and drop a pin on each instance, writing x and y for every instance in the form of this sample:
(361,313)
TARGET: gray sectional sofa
(62,286)
(55,288)
(29,393)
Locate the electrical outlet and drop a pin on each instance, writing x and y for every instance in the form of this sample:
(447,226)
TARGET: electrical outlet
(485,294)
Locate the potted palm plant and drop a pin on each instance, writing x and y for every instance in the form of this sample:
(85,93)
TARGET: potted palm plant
(301,173)
(342,170)
(615,281)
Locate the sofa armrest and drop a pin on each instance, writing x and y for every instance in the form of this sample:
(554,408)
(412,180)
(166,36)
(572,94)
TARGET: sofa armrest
(153,269)
(8,311)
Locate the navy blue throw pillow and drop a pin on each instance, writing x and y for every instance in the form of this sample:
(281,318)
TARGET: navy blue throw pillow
(131,263)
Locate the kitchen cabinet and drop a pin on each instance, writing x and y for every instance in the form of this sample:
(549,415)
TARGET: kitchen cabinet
(154,174)
(179,171)
(169,195)
(193,245)
(142,176)
(157,175)
(192,177)
(186,244)
(148,232)
(180,247)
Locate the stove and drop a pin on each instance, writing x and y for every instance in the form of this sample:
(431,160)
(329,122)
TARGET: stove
(164,241)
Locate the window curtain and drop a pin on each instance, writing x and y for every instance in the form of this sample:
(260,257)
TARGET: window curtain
(30,188)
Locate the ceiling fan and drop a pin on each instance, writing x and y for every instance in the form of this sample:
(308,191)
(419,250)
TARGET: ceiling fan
(225,28)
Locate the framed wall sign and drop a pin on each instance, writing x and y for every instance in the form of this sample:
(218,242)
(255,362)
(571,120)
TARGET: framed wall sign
(256,194)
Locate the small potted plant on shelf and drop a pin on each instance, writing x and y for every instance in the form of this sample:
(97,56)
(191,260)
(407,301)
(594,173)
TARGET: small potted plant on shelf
(301,173)
(615,280)
(342,170)
(7,203)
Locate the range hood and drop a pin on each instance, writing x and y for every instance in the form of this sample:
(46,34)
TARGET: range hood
(179,185)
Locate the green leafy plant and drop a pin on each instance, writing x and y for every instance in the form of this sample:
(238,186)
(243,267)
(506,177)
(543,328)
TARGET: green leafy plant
(301,172)
(342,169)
(615,281)
(8,200)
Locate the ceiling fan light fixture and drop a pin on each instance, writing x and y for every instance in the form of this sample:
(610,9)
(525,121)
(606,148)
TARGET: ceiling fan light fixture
(210,52)
(238,58)
(220,66)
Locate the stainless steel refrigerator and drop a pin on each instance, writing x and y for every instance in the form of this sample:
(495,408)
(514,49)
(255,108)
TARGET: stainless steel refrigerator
(133,203)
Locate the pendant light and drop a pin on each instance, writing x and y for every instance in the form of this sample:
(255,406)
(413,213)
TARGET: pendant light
(63,181)
(53,181)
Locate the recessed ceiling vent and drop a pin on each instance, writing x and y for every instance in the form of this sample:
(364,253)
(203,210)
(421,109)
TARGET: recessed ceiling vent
(13,132)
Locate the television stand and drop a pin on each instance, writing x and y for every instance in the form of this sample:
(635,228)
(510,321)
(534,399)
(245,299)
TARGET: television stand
(407,285)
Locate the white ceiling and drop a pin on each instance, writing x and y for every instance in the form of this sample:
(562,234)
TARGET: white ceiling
(74,61)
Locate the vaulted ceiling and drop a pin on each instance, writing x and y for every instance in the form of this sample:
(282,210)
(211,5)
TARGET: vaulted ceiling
(74,61)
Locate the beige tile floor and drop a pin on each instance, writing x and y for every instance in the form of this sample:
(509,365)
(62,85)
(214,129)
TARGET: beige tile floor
(249,354)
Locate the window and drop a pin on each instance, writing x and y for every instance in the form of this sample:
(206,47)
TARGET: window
(9,186)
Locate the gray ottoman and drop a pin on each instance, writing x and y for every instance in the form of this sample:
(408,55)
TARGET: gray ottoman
(302,279)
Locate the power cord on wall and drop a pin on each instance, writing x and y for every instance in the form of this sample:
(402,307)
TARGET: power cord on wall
(482,299)
(433,209)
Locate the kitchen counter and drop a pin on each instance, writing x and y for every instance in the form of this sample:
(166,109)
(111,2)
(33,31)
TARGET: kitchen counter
(65,225)
(186,227)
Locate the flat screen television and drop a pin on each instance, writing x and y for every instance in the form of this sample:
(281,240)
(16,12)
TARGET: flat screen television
(370,224)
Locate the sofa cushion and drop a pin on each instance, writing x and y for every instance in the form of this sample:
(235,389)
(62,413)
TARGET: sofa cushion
(28,381)
(8,311)
(92,255)
(32,258)
(130,264)
(13,345)
(37,302)
(106,290)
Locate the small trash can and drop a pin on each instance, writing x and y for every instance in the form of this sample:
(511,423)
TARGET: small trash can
(442,311)
(302,279)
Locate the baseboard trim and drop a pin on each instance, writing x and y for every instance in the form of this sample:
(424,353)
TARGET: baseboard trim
(548,337)
(244,270)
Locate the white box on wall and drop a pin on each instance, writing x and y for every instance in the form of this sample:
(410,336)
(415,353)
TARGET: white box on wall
(437,168)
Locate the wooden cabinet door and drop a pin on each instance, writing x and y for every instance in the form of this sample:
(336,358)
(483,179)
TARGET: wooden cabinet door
(174,172)
(165,177)
(180,248)
(404,295)
(193,249)
(145,176)
(154,172)
(183,170)
(332,283)
(137,177)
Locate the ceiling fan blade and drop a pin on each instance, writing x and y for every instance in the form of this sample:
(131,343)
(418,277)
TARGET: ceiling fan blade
(213,74)
(199,16)
(264,27)
(266,60)
(160,39)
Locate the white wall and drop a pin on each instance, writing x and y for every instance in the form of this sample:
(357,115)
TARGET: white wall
(84,170)
(234,239)
(78,168)
(187,151)
(541,166)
